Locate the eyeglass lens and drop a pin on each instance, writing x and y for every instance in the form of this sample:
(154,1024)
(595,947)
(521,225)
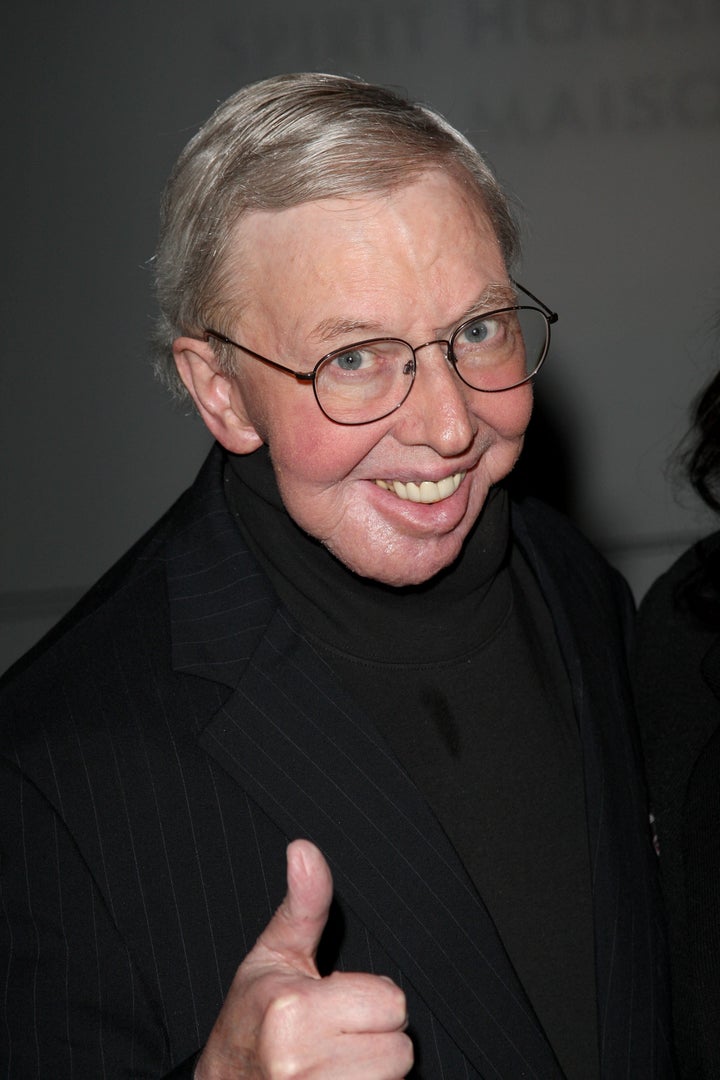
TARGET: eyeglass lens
(492,352)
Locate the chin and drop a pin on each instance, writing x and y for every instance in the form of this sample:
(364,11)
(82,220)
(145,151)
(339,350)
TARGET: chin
(399,570)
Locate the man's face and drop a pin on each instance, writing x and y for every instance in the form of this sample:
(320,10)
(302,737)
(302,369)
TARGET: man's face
(412,264)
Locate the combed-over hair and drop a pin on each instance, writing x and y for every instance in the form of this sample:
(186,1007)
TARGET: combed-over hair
(276,144)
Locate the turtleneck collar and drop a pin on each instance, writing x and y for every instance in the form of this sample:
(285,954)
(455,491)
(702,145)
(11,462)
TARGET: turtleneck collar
(441,620)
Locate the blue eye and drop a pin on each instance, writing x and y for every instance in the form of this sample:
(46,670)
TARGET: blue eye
(479,331)
(350,361)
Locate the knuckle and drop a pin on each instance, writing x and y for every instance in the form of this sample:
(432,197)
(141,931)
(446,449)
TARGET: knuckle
(283,1013)
(396,1000)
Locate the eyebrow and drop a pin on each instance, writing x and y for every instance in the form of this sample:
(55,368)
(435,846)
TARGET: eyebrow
(494,296)
(329,329)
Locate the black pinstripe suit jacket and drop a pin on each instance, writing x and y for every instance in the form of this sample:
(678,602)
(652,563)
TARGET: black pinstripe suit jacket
(162,745)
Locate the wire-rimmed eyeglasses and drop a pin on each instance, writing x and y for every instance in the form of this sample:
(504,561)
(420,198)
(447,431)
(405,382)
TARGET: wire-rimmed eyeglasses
(492,351)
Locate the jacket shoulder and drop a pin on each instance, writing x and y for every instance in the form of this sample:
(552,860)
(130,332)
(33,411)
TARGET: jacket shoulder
(140,566)
(119,628)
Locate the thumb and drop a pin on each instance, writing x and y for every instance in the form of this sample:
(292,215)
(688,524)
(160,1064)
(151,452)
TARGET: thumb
(297,926)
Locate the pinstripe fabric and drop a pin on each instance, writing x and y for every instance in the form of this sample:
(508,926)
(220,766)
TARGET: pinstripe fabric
(162,747)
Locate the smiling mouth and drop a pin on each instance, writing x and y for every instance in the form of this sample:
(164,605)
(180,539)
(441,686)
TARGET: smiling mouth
(427,491)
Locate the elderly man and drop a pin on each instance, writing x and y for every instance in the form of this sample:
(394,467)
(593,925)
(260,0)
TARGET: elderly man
(345,666)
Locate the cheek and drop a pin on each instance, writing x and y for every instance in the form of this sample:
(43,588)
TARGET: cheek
(310,450)
(507,414)
(505,422)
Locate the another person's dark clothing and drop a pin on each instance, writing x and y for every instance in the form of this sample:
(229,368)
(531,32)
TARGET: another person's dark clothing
(162,746)
(678,690)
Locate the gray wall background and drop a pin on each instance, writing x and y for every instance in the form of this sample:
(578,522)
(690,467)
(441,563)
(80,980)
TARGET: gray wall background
(602,117)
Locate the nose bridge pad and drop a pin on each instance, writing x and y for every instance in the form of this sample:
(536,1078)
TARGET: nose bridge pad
(436,341)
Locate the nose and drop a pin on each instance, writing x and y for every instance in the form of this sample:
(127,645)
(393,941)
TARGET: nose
(436,413)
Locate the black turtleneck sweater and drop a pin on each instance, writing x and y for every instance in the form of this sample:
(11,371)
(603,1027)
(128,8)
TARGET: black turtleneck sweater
(463,677)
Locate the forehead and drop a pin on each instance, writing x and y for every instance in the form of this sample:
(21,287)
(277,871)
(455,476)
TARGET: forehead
(426,246)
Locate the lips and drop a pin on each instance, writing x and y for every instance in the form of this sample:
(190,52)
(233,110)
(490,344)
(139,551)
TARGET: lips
(424,491)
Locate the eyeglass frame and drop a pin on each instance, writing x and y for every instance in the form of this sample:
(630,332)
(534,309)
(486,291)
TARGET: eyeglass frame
(311,376)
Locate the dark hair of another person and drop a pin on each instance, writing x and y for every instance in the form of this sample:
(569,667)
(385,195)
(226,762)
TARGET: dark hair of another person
(700,592)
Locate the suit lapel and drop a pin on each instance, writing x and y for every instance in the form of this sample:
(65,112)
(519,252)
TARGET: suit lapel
(314,763)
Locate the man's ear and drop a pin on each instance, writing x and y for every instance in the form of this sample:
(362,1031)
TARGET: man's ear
(218,399)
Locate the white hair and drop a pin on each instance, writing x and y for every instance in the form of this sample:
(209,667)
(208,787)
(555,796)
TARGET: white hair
(281,142)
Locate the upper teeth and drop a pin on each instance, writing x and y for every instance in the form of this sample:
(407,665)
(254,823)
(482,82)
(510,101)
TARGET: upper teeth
(427,491)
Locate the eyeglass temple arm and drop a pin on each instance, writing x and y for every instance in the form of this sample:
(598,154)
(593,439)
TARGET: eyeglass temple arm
(301,376)
(552,316)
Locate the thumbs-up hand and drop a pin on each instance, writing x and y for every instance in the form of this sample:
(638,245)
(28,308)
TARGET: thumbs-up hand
(281,1019)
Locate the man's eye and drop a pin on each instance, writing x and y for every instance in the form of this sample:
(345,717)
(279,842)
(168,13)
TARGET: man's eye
(480,331)
(355,360)
(352,360)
